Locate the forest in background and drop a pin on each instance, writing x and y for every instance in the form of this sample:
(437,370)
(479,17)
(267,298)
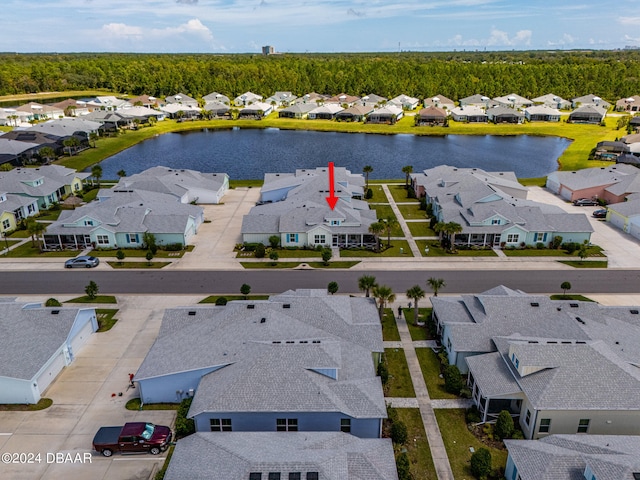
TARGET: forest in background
(608,74)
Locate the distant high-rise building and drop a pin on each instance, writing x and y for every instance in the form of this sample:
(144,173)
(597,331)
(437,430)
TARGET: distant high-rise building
(268,50)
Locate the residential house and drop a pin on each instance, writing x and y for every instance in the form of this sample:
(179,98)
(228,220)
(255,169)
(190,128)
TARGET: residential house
(182,99)
(610,150)
(72,107)
(502,114)
(440,101)
(405,102)
(8,117)
(327,111)
(312,97)
(527,354)
(281,99)
(588,114)
(611,184)
(371,100)
(626,215)
(13,209)
(122,219)
(216,97)
(575,457)
(478,101)
(388,114)
(300,361)
(470,114)
(80,128)
(590,99)
(297,110)
(218,109)
(110,121)
(294,207)
(47,184)
(635,123)
(431,116)
(284,455)
(16,152)
(343,99)
(629,104)
(542,113)
(37,112)
(514,100)
(553,101)
(180,110)
(36,344)
(107,102)
(143,114)
(357,113)
(492,209)
(256,111)
(144,101)
(187,186)
(247,98)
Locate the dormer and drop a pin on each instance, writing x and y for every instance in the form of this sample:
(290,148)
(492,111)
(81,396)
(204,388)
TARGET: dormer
(327,372)
(523,364)
(34,183)
(3,197)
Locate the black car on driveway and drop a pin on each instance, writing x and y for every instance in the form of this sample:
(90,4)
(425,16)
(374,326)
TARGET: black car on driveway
(585,202)
(600,213)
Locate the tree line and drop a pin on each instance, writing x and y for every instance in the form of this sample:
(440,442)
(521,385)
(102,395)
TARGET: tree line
(609,74)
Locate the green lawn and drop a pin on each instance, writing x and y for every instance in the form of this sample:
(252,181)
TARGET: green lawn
(106,319)
(134,404)
(27,250)
(26,407)
(421,229)
(50,215)
(297,253)
(150,265)
(417,445)
(533,182)
(213,298)
(98,299)
(417,333)
(389,328)
(592,251)
(378,194)
(435,250)
(458,439)
(412,212)
(586,264)
(19,234)
(399,193)
(430,366)
(393,251)
(569,296)
(139,253)
(384,211)
(269,265)
(91,195)
(245,183)
(399,384)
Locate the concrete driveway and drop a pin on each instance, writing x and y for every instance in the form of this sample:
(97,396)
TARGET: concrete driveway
(622,250)
(83,401)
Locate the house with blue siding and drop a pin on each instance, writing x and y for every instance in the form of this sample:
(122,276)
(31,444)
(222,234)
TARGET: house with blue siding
(294,208)
(37,342)
(492,209)
(300,361)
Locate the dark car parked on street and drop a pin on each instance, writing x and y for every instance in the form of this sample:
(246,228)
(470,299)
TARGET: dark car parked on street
(82,261)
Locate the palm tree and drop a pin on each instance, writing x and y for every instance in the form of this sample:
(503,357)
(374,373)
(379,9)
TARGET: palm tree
(436,284)
(96,172)
(407,170)
(383,295)
(439,228)
(366,283)
(415,293)
(46,154)
(389,224)
(35,229)
(451,229)
(121,173)
(93,138)
(71,143)
(376,228)
(367,170)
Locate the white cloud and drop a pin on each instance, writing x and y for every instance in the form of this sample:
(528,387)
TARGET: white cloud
(635,21)
(192,27)
(122,30)
(629,38)
(497,38)
(565,40)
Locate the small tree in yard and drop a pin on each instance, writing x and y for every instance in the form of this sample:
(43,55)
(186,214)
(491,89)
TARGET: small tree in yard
(274,241)
(326,255)
(245,290)
(582,252)
(565,286)
(274,257)
(383,372)
(403,466)
(149,241)
(481,463)
(91,290)
(120,256)
(504,425)
(399,433)
(452,379)
(332,288)
(149,257)
(259,251)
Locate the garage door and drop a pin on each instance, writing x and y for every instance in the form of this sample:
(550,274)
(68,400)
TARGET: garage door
(634,229)
(81,338)
(617,220)
(49,375)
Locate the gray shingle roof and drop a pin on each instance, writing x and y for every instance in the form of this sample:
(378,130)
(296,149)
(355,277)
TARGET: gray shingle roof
(233,455)
(596,177)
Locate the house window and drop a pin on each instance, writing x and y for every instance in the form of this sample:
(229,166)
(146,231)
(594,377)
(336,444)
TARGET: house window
(449,344)
(274,475)
(513,238)
(539,237)
(88,223)
(515,360)
(102,239)
(255,476)
(527,417)
(335,222)
(287,425)
(132,238)
(6,224)
(292,238)
(31,208)
(345,425)
(312,475)
(583,425)
(220,424)
(495,221)
(295,476)
(320,239)
(545,425)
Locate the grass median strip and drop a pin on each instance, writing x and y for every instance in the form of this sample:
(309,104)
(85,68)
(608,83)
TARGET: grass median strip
(586,264)
(145,265)
(270,265)
(214,298)
(393,251)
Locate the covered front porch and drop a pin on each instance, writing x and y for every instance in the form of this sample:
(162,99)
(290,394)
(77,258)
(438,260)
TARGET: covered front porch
(353,240)
(478,239)
(66,242)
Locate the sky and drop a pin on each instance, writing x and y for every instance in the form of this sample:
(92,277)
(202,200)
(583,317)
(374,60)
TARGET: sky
(300,26)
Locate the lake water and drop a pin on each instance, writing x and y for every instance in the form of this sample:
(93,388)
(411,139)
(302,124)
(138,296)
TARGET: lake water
(250,153)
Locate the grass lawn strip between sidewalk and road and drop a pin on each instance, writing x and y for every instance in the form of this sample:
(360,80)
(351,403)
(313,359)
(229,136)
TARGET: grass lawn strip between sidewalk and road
(435,250)
(393,251)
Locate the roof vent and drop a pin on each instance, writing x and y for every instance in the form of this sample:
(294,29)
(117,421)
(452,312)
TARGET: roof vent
(304,341)
(288,305)
(580,320)
(559,309)
(580,342)
(634,312)
(55,312)
(251,306)
(566,343)
(263,320)
(573,305)
(316,341)
(192,313)
(276,341)
(535,304)
(290,341)
(532,341)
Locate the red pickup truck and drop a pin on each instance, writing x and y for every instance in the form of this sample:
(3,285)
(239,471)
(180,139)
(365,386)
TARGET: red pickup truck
(134,437)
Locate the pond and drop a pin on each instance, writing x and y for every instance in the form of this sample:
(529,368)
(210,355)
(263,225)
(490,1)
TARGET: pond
(250,153)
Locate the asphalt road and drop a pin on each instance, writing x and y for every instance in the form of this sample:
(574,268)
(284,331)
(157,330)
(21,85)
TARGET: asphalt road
(261,281)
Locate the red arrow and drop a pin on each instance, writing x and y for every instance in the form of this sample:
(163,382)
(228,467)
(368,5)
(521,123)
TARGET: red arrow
(331,199)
